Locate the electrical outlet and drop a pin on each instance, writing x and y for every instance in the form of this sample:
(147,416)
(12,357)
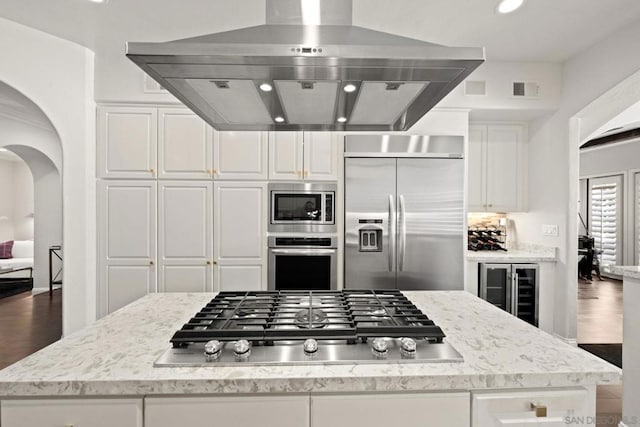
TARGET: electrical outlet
(550,230)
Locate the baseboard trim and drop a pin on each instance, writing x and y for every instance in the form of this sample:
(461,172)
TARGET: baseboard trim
(621,424)
(570,341)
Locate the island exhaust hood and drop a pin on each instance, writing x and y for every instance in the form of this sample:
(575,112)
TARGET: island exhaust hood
(308,68)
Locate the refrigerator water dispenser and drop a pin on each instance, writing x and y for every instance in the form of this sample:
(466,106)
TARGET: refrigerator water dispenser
(370,239)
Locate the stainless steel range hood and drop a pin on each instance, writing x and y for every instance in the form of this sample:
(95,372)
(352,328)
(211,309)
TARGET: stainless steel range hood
(308,68)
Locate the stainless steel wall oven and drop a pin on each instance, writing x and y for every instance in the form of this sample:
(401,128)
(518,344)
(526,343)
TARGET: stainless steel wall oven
(302,263)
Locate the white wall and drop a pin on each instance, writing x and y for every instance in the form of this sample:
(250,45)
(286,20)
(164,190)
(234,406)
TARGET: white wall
(22,202)
(554,160)
(6,200)
(16,201)
(63,89)
(610,159)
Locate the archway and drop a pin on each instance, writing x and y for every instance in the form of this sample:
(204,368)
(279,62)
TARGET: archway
(27,132)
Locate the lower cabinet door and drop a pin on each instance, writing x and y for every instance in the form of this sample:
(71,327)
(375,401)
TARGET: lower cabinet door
(237,411)
(383,410)
(551,408)
(72,413)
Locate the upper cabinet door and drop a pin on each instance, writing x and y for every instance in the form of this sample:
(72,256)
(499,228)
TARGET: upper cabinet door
(321,156)
(240,155)
(476,161)
(504,169)
(185,244)
(285,156)
(185,145)
(127,142)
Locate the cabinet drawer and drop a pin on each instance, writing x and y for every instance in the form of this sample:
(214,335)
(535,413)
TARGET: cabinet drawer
(72,413)
(237,411)
(515,408)
(383,410)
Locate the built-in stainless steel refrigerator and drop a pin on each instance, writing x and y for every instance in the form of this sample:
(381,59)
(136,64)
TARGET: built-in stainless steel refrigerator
(404,212)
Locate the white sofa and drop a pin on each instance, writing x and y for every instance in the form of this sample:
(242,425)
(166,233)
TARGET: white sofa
(22,258)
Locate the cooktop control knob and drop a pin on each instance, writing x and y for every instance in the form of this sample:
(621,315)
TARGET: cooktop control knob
(242,349)
(212,350)
(408,347)
(310,346)
(380,347)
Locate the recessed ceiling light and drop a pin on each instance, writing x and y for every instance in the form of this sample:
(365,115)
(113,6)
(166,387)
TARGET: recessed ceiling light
(342,119)
(266,87)
(279,119)
(98,1)
(349,88)
(508,6)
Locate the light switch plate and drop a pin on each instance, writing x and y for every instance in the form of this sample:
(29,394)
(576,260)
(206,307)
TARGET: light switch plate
(550,230)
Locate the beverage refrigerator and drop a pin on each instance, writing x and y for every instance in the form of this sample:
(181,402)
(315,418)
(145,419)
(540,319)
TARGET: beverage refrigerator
(512,287)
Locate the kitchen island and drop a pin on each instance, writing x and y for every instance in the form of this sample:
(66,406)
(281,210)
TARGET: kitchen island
(112,360)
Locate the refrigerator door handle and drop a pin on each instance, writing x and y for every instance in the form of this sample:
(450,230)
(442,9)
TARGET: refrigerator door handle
(403,233)
(392,232)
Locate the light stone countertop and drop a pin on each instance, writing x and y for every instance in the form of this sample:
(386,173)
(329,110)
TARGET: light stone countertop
(522,252)
(115,356)
(632,271)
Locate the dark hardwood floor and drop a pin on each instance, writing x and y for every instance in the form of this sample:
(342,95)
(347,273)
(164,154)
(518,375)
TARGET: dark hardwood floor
(600,322)
(28,323)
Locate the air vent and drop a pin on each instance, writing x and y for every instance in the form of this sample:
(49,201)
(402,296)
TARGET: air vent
(475,87)
(526,89)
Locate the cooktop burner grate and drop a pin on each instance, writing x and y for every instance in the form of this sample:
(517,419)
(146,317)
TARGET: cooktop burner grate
(266,317)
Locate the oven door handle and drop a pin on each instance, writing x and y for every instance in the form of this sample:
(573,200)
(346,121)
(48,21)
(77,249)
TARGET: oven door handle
(303,251)
(392,233)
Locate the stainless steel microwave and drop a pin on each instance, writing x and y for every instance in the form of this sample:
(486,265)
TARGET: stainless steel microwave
(302,207)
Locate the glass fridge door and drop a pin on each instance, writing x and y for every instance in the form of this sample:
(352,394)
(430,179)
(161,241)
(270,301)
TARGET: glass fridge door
(526,286)
(495,285)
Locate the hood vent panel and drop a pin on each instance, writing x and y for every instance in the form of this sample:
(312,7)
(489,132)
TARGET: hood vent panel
(397,79)
(237,103)
(311,106)
(384,102)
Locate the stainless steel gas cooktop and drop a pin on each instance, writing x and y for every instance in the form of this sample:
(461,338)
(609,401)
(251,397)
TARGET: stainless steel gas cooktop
(308,327)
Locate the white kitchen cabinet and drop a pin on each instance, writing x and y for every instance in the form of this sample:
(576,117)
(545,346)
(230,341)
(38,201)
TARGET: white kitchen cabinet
(185,144)
(240,155)
(556,408)
(126,242)
(144,142)
(497,168)
(321,156)
(71,413)
(303,155)
(236,411)
(383,410)
(240,250)
(185,236)
(127,142)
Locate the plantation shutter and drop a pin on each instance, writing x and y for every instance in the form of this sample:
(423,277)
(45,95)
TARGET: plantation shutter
(606,219)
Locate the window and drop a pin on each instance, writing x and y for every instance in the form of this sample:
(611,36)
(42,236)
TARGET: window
(605,218)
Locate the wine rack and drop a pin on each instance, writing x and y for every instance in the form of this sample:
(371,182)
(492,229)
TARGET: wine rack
(487,239)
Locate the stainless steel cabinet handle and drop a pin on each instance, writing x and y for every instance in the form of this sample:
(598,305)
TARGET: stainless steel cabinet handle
(303,251)
(516,280)
(403,234)
(392,232)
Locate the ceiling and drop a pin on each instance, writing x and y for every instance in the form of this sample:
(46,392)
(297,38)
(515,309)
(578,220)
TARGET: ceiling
(542,30)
